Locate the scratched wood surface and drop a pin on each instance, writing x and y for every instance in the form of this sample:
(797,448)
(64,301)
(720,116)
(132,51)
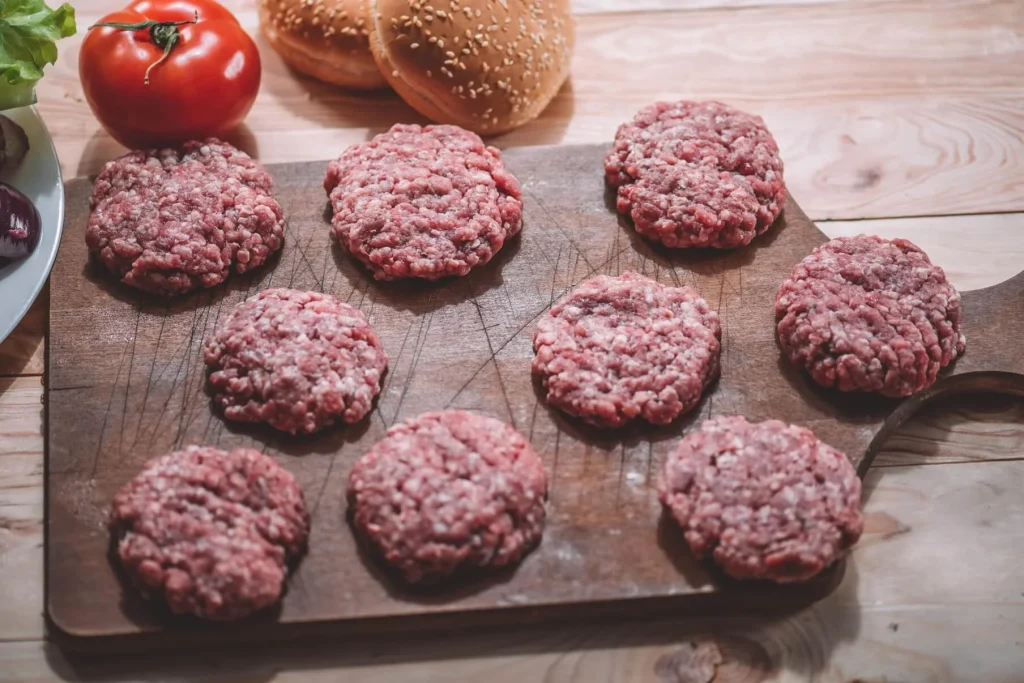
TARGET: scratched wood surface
(127,383)
(897,123)
(894,126)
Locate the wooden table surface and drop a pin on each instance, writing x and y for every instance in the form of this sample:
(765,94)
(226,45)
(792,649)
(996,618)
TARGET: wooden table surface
(895,117)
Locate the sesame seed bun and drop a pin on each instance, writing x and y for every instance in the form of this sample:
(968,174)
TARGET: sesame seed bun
(326,39)
(486,65)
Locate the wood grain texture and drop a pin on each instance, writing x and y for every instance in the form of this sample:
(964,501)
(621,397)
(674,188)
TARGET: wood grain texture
(852,152)
(22,352)
(954,431)
(580,7)
(880,624)
(958,429)
(21,506)
(993,254)
(126,384)
(875,117)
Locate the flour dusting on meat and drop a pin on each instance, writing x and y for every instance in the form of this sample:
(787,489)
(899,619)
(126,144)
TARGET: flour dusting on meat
(697,174)
(869,314)
(447,492)
(211,531)
(172,220)
(423,202)
(299,361)
(620,348)
(765,500)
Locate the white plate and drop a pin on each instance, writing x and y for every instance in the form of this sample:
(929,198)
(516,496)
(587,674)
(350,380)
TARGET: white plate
(38,178)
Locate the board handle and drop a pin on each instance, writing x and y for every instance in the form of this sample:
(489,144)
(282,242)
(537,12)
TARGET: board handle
(979,382)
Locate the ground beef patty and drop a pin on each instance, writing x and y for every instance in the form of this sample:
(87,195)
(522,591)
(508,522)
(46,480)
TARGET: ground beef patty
(617,348)
(697,174)
(173,220)
(211,531)
(765,500)
(423,202)
(296,360)
(449,491)
(868,314)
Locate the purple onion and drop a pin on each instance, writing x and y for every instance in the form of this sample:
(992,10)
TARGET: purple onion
(19,224)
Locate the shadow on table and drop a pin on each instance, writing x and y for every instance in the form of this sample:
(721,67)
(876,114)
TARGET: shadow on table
(750,647)
(19,351)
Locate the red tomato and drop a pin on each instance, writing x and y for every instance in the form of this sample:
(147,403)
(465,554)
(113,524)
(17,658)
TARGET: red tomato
(205,85)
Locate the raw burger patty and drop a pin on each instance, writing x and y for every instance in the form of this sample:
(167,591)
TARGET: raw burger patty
(868,314)
(765,500)
(618,348)
(697,174)
(173,220)
(211,531)
(423,202)
(449,491)
(296,360)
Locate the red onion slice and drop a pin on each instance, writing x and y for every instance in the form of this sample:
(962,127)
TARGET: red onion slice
(20,224)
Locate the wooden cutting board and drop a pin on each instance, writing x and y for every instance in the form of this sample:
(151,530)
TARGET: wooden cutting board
(126,383)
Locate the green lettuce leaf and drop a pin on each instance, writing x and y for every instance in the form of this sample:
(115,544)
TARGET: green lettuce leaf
(29,31)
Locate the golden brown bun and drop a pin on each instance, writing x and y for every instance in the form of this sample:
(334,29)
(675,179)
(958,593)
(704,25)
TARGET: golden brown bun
(325,39)
(486,65)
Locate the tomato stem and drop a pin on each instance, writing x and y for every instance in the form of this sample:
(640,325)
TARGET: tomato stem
(164,34)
